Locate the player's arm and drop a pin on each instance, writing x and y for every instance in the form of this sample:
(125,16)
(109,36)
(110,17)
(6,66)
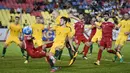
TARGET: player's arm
(71,43)
(76,18)
(6,34)
(97,26)
(127,33)
(118,26)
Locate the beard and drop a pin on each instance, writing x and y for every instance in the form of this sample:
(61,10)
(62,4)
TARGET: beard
(106,19)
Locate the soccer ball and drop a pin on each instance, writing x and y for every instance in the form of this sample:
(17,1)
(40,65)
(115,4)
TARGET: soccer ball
(27,30)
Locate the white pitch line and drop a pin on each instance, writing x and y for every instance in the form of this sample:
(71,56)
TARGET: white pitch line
(101,59)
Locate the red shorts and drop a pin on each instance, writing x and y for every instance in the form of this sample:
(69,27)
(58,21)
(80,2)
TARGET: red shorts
(81,38)
(49,45)
(106,42)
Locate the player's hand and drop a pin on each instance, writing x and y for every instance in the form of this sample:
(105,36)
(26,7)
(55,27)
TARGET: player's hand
(127,33)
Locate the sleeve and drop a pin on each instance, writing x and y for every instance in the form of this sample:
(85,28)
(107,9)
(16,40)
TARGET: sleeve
(112,25)
(120,24)
(9,26)
(20,29)
(54,27)
(70,33)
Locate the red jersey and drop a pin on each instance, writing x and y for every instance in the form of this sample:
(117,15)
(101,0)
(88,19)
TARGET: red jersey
(107,28)
(93,31)
(79,28)
(31,50)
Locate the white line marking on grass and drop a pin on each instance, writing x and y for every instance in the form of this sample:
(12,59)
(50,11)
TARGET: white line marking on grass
(101,59)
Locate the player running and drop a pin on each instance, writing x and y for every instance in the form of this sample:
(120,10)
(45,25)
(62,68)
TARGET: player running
(15,32)
(124,27)
(79,33)
(56,15)
(106,41)
(62,32)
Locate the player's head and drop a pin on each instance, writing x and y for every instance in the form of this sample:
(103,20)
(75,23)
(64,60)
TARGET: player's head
(93,19)
(106,16)
(99,19)
(55,13)
(25,21)
(38,19)
(63,21)
(16,19)
(42,20)
(126,16)
(81,16)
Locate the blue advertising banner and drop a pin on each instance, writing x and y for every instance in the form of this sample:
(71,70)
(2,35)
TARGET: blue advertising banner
(48,35)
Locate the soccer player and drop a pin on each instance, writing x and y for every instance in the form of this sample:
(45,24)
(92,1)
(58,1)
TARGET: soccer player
(93,31)
(38,52)
(70,37)
(62,32)
(79,33)
(96,33)
(37,32)
(15,32)
(56,15)
(37,29)
(106,41)
(124,27)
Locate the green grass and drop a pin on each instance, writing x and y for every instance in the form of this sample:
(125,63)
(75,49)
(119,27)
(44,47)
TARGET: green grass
(14,62)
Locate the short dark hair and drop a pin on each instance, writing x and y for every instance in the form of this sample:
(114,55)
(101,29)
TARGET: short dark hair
(16,17)
(69,20)
(106,13)
(65,19)
(37,16)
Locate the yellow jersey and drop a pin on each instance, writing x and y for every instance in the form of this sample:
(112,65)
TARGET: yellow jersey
(98,31)
(61,33)
(57,20)
(124,27)
(15,30)
(37,30)
(72,30)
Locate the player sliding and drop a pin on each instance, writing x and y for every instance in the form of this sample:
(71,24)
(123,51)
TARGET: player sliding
(37,52)
(37,34)
(15,32)
(62,32)
(124,27)
(106,41)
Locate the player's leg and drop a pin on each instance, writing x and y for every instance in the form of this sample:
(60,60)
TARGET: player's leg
(86,47)
(71,53)
(27,59)
(102,47)
(54,51)
(7,42)
(109,45)
(99,55)
(91,49)
(20,44)
(4,50)
(118,45)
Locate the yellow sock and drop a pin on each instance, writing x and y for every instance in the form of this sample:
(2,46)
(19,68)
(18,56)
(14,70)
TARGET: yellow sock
(118,54)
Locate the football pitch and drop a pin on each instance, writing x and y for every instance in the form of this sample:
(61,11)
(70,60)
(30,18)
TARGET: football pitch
(14,62)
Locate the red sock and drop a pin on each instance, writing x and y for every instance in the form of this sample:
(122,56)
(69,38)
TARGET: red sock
(86,48)
(99,54)
(111,51)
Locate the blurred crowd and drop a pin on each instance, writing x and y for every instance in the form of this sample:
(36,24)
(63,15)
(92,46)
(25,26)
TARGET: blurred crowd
(90,8)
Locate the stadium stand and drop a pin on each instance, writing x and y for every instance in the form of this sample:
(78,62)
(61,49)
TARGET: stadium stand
(43,7)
